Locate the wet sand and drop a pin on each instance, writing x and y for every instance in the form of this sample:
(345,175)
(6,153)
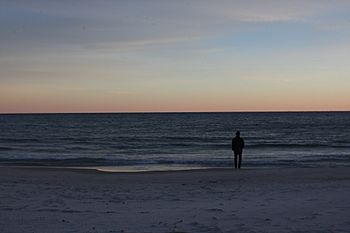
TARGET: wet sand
(214,200)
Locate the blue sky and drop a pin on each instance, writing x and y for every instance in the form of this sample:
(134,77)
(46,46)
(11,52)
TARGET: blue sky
(121,56)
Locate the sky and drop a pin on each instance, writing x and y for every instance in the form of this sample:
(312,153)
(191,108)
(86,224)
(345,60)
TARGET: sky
(174,56)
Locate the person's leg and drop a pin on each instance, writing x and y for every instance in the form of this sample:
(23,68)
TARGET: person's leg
(235,160)
(240,160)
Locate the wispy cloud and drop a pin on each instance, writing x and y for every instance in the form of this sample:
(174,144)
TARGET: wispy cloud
(143,23)
(116,46)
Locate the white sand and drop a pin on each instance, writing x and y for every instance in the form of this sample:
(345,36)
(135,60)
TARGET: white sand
(260,200)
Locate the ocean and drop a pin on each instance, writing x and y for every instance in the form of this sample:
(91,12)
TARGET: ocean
(175,140)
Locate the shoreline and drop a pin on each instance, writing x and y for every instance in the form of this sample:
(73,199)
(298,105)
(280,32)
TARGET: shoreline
(158,168)
(117,169)
(129,169)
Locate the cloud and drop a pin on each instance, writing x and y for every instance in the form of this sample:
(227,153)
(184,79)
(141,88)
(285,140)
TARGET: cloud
(141,23)
(272,11)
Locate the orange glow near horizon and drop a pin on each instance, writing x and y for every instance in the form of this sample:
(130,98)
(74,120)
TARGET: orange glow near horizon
(38,101)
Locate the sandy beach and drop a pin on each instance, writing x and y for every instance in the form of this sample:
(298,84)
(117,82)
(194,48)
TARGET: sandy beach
(226,200)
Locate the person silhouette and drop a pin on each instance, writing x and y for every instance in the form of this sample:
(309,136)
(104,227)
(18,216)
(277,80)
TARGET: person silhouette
(237,148)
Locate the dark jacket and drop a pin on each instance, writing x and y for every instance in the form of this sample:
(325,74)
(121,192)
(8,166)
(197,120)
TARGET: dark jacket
(237,144)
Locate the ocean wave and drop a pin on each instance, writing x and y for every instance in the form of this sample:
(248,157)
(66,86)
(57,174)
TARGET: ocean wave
(84,161)
(295,145)
(19,140)
(5,148)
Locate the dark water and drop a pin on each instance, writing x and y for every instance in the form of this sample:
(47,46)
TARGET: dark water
(170,139)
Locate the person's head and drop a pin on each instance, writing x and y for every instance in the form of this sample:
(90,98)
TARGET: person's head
(238,134)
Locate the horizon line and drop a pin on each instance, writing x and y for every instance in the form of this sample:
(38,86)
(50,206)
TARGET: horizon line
(150,112)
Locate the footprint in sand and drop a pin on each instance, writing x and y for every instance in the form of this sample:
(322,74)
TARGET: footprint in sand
(216,210)
(194,224)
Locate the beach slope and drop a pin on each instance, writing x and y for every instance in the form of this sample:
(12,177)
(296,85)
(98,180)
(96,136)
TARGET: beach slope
(216,200)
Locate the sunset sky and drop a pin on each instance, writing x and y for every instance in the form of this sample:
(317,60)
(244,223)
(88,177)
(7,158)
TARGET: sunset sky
(148,55)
